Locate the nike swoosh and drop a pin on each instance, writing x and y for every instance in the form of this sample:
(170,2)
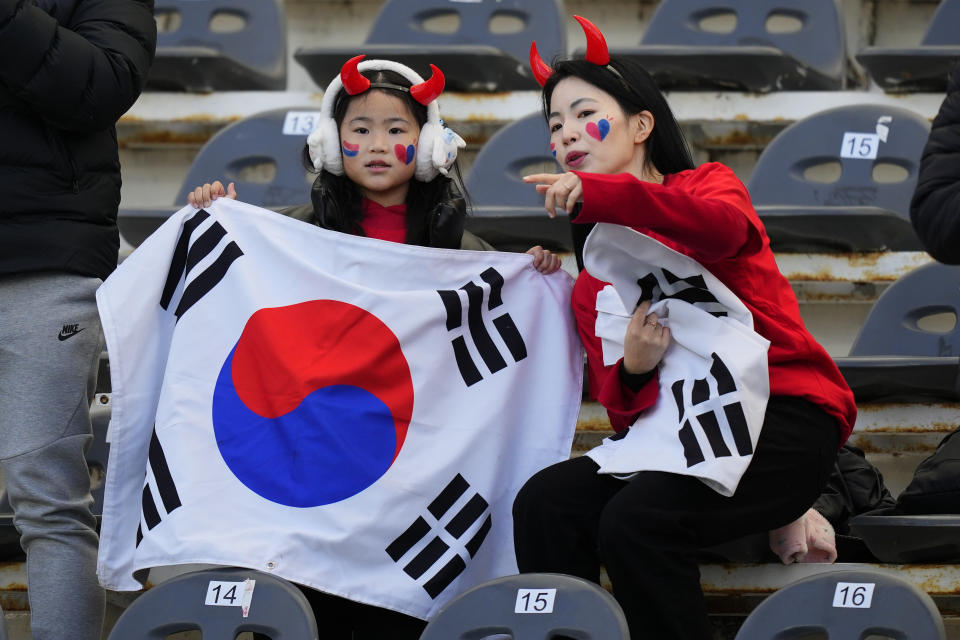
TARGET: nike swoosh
(66,336)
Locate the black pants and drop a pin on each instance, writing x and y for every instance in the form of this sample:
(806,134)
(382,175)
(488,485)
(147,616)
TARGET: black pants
(646,531)
(342,619)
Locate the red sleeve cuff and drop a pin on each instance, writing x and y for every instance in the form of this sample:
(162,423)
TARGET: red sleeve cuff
(623,405)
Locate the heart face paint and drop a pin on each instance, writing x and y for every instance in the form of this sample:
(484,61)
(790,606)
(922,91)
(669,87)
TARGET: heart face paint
(405,154)
(350,150)
(553,149)
(598,130)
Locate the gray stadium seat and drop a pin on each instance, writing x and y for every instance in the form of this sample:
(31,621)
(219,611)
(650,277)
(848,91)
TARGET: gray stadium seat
(472,57)
(839,604)
(804,212)
(255,153)
(532,606)
(893,356)
(906,539)
(195,58)
(923,68)
(277,609)
(683,51)
(97,456)
(507,212)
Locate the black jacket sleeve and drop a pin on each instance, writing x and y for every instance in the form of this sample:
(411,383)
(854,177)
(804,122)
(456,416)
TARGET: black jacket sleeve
(854,487)
(84,72)
(935,210)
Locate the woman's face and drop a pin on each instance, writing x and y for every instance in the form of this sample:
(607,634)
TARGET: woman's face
(378,143)
(589,131)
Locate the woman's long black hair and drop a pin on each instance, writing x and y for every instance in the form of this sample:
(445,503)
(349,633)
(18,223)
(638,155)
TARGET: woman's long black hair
(635,91)
(422,197)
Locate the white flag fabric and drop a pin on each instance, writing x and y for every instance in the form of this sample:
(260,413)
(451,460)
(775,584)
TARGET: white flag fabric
(714,381)
(351,414)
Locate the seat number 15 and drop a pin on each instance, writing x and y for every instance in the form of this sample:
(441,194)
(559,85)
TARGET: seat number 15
(535,600)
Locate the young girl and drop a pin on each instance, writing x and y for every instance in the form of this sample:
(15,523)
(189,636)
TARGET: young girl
(625,162)
(383,157)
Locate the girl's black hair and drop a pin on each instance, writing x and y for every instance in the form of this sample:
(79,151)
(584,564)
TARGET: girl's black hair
(635,91)
(422,197)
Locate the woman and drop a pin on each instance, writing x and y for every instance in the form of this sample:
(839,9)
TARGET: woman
(625,162)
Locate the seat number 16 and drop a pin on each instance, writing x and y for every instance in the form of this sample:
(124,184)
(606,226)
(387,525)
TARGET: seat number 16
(853,595)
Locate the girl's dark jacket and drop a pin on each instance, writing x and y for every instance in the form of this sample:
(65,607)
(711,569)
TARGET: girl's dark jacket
(935,210)
(68,70)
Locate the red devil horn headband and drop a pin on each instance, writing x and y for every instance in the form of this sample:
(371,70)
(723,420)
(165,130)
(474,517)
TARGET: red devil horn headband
(427,92)
(597,52)
(355,83)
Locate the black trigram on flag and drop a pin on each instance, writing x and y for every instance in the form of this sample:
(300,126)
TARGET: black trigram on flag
(479,335)
(662,284)
(443,527)
(159,482)
(187,255)
(704,405)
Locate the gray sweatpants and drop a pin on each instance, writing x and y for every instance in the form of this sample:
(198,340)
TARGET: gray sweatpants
(50,341)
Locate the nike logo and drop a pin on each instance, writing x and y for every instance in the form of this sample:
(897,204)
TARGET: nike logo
(68,331)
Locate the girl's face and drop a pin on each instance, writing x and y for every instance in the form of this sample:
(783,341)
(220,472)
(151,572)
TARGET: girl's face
(378,143)
(589,131)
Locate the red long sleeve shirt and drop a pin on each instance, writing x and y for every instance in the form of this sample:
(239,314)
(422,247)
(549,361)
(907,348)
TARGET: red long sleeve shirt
(706,213)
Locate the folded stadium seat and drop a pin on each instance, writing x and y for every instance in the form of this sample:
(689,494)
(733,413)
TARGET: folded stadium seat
(923,68)
(507,212)
(261,153)
(906,539)
(841,180)
(481,45)
(846,605)
(213,602)
(758,46)
(563,606)
(194,57)
(898,355)
(97,456)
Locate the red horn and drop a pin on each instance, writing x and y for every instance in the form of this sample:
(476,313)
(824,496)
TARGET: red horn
(541,70)
(428,91)
(597,52)
(353,81)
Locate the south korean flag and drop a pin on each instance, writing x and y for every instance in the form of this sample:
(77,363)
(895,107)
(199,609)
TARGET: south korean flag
(351,414)
(714,382)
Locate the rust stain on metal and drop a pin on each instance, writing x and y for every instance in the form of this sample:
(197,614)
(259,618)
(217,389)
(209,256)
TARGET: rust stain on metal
(952,406)
(868,259)
(197,117)
(869,446)
(738,138)
(935,427)
(165,137)
(594,424)
(823,275)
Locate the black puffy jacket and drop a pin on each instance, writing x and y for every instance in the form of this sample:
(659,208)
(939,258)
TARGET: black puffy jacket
(935,210)
(68,70)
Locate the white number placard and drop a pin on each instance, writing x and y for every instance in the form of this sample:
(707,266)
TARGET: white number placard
(231,594)
(535,600)
(860,145)
(300,123)
(224,594)
(853,595)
